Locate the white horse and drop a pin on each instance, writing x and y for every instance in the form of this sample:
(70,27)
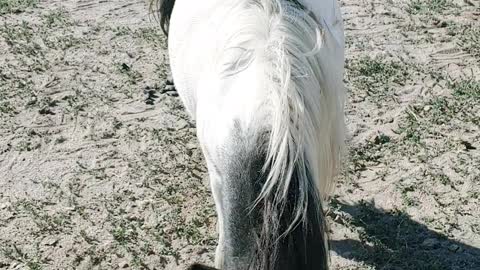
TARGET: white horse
(263,80)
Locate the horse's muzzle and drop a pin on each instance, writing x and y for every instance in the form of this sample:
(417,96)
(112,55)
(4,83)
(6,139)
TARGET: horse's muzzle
(198,266)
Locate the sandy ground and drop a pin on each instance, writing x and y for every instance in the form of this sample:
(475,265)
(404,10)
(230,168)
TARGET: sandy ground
(100,167)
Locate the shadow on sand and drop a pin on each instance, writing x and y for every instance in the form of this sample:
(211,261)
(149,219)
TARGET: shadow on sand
(393,241)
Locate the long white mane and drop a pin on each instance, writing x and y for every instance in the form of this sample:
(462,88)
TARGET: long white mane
(306,107)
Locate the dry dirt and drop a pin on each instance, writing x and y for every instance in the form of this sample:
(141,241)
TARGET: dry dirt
(100,167)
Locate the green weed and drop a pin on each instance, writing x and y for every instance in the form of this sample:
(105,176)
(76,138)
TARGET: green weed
(16,6)
(429,6)
(376,75)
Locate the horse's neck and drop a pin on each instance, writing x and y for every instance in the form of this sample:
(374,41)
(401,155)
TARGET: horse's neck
(188,46)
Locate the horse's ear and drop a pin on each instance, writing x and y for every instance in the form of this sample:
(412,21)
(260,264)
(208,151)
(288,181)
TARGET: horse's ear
(197,266)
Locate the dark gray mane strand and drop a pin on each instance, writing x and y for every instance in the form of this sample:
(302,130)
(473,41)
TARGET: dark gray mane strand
(163,8)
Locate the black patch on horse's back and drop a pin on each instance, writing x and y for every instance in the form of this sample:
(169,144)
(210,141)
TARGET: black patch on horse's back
(304,247)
